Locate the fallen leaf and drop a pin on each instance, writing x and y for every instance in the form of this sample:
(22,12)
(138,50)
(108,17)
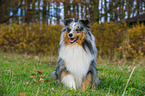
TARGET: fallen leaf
(22,93)
(129,68)
(52,89)
(32,76)
(39,73)
(26,83)
(36,57)
(111,75)
(45,57)
(5,56)
(41,79)
(47,80)
(35,83)
(28,56)
(35,80)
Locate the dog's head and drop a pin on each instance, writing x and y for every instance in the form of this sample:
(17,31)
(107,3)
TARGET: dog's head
(75,32)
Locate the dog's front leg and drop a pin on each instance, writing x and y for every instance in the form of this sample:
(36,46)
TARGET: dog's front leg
(68,80)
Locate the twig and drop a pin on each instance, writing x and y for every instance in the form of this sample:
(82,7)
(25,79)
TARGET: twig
(37,91)
(109,91)
(128,81)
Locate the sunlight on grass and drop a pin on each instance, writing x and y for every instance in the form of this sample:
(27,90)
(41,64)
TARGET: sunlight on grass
(30,75)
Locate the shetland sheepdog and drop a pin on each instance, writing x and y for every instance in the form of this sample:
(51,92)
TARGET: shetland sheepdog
(76,63)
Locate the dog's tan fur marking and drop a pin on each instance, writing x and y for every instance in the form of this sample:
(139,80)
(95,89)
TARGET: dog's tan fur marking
(63,74)
(64,62)
(86,81)
(79,41)
(81,38)
(66,39)
(76,28)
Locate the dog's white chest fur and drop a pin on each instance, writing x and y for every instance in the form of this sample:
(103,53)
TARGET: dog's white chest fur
(77,61)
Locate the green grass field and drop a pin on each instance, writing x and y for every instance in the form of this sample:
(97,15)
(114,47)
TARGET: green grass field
(30,75)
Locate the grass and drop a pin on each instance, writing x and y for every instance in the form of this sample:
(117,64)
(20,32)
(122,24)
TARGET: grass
(30,75)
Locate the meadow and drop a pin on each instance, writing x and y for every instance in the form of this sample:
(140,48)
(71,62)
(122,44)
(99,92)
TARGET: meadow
(120,61)
(30,75)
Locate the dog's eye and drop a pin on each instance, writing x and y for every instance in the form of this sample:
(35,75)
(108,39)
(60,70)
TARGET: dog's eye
(68,29)
(77,29)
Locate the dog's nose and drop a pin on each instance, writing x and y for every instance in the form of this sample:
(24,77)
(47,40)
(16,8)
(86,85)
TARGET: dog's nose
(70,34)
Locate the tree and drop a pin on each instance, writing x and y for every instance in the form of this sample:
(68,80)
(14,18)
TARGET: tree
(7,6)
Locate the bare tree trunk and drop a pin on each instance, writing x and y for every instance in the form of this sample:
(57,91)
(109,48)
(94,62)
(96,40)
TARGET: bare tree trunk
(138,6)
(28,14)
(105,14)
(67,6)
(44,12)
(95,11)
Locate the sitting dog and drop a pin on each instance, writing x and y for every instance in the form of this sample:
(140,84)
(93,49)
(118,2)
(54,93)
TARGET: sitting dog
(76,63)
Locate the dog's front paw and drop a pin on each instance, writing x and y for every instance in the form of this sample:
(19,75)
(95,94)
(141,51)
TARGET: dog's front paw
(68,81)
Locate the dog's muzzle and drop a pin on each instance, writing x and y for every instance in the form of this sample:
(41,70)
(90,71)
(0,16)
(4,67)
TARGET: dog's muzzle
(72,38)
(70,35)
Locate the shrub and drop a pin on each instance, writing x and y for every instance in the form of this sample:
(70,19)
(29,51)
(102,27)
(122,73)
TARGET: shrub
(42,38)
(33,38)
(134,44)
(108,36)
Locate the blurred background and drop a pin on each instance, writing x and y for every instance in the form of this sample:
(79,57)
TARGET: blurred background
(55,11)
(34,26)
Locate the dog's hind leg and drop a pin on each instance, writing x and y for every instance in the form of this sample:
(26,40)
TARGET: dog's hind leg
(68,80)
(91,77)
(86,81)
(95,81)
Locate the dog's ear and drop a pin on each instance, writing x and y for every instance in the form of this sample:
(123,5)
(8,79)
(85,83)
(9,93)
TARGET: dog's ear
(68,21)
(85,22)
